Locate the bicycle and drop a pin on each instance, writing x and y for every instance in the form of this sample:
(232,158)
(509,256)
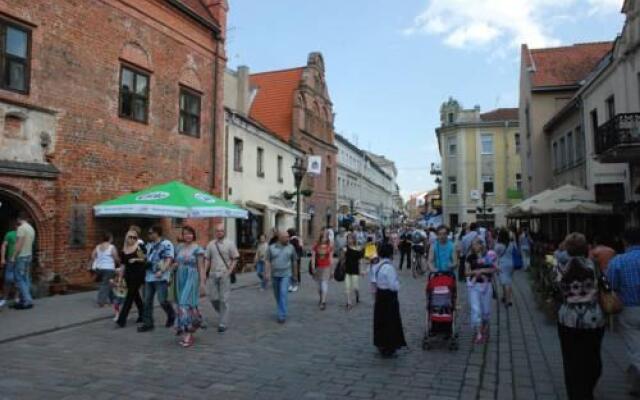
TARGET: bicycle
(418,260)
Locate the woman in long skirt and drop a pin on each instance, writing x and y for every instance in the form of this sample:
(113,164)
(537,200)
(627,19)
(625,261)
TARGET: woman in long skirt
(189,283)
(388,335)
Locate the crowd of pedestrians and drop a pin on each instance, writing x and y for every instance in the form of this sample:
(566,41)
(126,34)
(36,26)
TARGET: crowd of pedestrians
(585,275)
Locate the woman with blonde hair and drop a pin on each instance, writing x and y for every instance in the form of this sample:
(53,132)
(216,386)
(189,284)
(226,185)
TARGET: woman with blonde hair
(351,256)
(479,270)
(134,265)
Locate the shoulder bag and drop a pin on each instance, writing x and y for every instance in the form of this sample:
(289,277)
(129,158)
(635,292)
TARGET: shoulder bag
(516,257)
(340,272)
(232,275)
(609,300)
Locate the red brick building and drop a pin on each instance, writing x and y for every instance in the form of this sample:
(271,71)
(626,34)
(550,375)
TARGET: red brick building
(100,99)
(295,104)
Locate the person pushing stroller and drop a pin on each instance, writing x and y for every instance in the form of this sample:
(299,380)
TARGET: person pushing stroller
(441,291)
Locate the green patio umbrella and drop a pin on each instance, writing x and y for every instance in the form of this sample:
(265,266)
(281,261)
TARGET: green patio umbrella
(172,199)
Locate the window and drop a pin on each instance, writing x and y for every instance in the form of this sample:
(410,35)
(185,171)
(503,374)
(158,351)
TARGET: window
(570,154)
(14,57)
(563,153)
(580,149)
(452,145)
(453,220)
(237,155)
(189,112)
(594,120)
(517,142)
(280,177)
(519,182)
(611,107)
(453,185)
(134,94)
(260,162)
(487,184)
(450,118)
(556,157)
(328,173)
(487,144)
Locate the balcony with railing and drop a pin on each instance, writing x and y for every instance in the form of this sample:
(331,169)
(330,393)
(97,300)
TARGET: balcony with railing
(618,140)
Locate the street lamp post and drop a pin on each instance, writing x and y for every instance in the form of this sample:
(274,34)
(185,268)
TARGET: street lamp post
(484,209)
(299,171)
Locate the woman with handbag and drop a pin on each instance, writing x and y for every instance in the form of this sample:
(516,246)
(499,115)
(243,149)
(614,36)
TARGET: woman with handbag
(322,260)
(351,256)
(580,319)
(104,260)
(134,265)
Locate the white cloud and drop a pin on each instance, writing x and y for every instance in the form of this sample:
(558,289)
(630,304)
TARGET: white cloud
(497,24)
(604,6)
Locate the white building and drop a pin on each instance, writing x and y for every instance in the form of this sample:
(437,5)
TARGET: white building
(366,190)
(258,168)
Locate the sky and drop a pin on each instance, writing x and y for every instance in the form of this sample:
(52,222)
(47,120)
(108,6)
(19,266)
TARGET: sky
(390,65)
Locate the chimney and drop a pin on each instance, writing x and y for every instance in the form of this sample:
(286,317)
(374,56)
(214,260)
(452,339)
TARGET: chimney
(243,90)
(218,10)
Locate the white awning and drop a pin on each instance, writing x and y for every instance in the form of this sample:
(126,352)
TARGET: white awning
(254,211)
(270,206)
(368,216)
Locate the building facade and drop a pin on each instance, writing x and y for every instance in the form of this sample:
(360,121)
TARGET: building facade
(295,105)
(609,103)
(80,126)
(549,78)
(366,190)
(258,168)
(480,155)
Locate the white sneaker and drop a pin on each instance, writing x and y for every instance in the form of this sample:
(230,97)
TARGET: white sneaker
(294,289)
(2,303)
(290,288)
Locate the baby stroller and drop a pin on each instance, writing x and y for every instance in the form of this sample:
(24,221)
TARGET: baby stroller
(441,310)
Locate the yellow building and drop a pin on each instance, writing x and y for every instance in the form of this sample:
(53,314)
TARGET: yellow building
(480,160)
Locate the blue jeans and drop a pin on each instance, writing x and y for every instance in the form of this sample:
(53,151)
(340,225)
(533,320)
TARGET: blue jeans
(260,272)
(480,296)
(23,279)
(150,290)
(9,278)
(281,293)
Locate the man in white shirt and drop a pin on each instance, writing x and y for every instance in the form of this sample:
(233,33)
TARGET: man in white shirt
(22,257)
(221,259)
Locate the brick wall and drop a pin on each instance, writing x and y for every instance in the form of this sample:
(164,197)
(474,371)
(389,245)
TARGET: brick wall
(77,51)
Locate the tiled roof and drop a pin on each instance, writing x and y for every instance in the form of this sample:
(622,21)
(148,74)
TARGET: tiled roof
(500,114)
(198,7)
(564,66)
(273,104)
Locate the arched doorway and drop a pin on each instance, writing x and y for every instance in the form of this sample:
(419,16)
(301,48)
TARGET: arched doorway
(11,204)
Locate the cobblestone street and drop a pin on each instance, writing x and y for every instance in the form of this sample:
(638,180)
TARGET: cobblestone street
(316,355)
